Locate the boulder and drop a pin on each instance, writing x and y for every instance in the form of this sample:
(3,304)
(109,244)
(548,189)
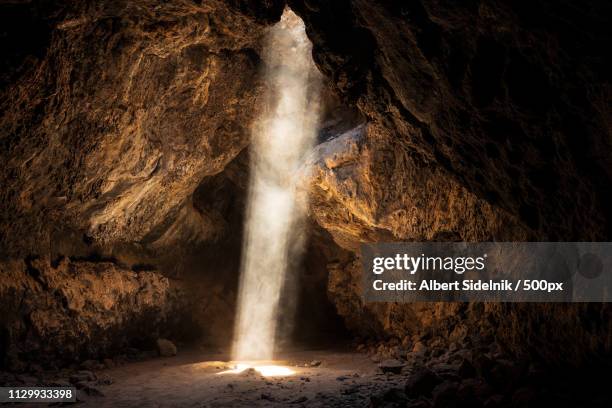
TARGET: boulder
(166,348)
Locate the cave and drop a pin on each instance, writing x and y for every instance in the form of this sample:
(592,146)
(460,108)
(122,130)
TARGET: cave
(131,144)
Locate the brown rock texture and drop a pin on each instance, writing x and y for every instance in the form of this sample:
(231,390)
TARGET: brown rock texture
(129,107)
(366,188)
(116,120)
(486,121)
(122,125)
(511,99)
(166,348)
(73,310)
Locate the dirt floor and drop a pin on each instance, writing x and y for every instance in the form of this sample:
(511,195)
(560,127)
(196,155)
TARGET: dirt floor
(204,379)
(197,380)
(318,378)
(460,378)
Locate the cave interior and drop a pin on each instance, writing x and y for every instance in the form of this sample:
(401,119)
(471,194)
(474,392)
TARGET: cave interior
(124,143)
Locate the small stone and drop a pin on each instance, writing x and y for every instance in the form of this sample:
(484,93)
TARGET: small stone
(407,342)
(82,376)
(90,365)
(402,353)
(476,386)
(59,383)
(249,372)
(299,400)
(422,382)
(81,395)
(108,363)
(267,397)
(393,352)
(314,363)
(444,394)
(89,388)
(389,397)
(351,390)
(93,391)
(391,366)
(166,348)
(105,380)
(419,348)
(443,368)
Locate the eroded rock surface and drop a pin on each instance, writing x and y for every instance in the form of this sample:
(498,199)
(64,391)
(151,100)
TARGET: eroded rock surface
(73,310)
(510,99)
(485,122)
(129,106)
(117,118)
(366,188)
(122,123)
(363,192)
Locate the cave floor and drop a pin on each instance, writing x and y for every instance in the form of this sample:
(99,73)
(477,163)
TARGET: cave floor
(329,378)
(192,379)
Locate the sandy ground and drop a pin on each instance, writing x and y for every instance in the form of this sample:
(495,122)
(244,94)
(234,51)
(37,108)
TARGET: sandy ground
(194,380)
(325,378)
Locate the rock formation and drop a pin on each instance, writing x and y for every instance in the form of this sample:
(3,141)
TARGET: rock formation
(486,121)
(123,135)
(113,114)
(511,100)
(75,310)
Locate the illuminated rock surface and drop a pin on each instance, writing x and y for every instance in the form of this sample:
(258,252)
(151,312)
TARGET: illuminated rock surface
(123,136)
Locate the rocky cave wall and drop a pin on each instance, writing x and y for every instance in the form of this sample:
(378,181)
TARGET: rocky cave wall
(130,102)
(511,99)
(123,121)
(117,118)
(486,121)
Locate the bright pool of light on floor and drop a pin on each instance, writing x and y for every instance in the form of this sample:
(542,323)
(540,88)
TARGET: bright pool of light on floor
(265,370)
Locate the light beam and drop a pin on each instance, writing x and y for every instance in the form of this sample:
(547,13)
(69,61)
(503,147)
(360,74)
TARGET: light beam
(281,137)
